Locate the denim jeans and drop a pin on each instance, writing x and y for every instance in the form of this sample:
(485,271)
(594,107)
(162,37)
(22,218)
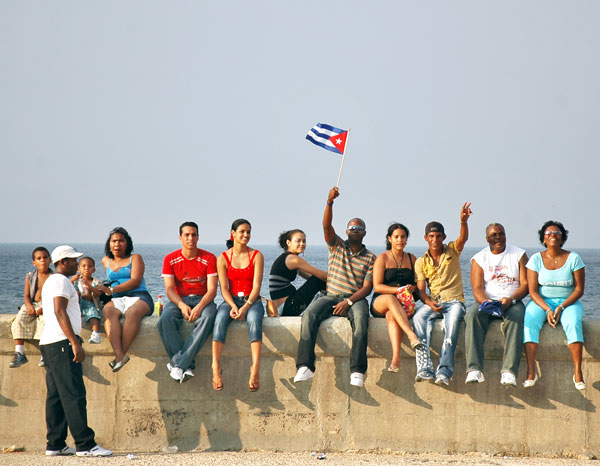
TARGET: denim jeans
(183,353)
(66,404)
(317,312)
(477,324)
(452,312)
(254,318)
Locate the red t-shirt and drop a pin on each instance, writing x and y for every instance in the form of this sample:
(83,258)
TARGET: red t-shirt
(190,275)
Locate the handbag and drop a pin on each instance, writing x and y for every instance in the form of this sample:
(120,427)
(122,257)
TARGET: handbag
(271,308)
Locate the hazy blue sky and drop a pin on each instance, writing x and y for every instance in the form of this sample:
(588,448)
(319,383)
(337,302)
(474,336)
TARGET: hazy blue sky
(145,114)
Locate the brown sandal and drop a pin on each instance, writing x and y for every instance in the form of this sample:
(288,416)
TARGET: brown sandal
(217,381)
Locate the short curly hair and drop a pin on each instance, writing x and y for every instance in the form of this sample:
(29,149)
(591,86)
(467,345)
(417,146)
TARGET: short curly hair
(553,223)
(128,240)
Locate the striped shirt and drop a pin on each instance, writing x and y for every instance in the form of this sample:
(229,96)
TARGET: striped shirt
(347,272)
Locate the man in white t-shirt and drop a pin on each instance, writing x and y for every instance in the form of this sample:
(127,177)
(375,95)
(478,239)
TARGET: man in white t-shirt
(499,282)
(63,354)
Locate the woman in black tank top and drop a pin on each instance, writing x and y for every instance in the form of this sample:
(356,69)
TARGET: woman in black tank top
(285,269)
(392,270)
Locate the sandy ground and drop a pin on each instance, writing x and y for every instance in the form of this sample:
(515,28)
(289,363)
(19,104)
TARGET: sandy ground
(277,459)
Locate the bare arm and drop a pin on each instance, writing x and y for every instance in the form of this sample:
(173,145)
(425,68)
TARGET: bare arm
(60,309)
(328,231)
(175,298)
(477,283)
(422,287)
(465,213)
(224,281)
(294,262)
(27,299)
(211,292)
(342,307)
(532,279)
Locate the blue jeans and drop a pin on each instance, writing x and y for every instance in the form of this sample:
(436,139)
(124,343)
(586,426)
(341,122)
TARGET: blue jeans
(183,353)
(453,313)
(317,312)
(254,318)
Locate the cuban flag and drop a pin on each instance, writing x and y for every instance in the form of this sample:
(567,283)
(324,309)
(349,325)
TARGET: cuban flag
(328,137)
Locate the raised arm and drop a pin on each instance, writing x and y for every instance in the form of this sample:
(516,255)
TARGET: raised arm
(328,231)
(465,213)
(306,270)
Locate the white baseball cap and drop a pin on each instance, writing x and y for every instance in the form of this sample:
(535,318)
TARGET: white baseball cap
(64,252)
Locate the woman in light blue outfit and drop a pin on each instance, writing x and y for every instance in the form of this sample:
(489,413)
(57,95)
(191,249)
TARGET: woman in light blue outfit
(556,282)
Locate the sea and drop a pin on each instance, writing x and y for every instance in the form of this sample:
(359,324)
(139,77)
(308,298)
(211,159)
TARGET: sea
(15,262)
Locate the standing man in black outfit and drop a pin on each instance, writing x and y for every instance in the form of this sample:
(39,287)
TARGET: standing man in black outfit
(63,354)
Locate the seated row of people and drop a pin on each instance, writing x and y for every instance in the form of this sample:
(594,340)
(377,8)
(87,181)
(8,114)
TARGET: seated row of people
(501,276)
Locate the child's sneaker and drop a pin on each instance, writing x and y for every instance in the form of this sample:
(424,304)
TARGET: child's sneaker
(18,360)
(95,338)
(41,363)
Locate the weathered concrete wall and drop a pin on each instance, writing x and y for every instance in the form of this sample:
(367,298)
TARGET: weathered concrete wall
(142,409)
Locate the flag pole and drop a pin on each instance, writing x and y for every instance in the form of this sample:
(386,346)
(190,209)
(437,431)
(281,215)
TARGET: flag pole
(343,158)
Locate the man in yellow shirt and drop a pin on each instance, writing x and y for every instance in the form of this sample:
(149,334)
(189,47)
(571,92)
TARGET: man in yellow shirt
(439,270)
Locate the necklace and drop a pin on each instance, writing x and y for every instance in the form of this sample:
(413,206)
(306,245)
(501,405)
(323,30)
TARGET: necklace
(395,261)
(555,259)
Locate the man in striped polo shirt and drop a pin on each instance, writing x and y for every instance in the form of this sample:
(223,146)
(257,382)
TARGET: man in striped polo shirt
(349,282)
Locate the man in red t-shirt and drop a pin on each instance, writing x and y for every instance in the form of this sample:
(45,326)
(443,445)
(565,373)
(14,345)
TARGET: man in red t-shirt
(190,276)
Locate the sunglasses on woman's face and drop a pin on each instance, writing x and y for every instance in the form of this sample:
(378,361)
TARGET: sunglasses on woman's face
(555,233)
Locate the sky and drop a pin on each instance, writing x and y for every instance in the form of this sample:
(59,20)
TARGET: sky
(146,114)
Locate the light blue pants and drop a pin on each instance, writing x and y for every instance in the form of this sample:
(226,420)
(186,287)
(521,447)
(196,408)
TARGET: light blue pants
(570,318)
(254,318)
(453,313)
(183,353)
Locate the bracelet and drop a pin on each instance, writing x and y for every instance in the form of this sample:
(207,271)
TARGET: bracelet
(249,303)
(330,204)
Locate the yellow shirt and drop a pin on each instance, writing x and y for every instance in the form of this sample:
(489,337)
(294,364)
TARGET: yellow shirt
(445,280)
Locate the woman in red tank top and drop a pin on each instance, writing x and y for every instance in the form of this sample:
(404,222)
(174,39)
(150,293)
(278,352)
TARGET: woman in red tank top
(240,270)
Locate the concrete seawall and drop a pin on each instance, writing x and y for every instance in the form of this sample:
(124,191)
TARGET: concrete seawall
(141,408)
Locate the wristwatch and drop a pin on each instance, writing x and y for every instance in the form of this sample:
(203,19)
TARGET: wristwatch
(350,303)
(514,301)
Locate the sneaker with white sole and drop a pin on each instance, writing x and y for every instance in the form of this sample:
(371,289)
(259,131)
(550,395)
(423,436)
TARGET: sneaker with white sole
(95,338)
(424,375)
(508,378)
(303,374)
(65,451)
(475,377)
(187,375)
(96,451)
(175,372)
(357,379)
(442,380)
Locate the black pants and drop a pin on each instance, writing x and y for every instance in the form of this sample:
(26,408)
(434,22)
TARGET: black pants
(65,401)
(297,302)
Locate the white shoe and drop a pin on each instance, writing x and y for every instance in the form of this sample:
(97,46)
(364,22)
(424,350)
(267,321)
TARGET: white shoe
(65,451)
(175,372)
(96,451)
(477,377)
(442,380)
(303,374)
(187,375)
(579,385)
(357,379)
(95,338)
(530,383)
(508,378)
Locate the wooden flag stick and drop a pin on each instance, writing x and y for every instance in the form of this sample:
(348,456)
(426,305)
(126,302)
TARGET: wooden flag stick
(343,158)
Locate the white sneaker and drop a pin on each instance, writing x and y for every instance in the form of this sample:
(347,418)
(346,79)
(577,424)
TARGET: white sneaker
(176,373)
(95,338)
(65,451)
(508,378)
(304,373)
(96,451)
(187,375)
(357,379)
(477,377)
